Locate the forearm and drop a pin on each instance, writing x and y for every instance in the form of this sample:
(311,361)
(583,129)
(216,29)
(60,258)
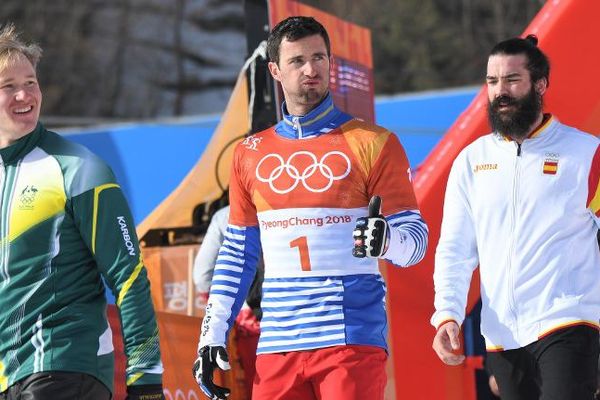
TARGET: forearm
(451,289)
(106,226)
(455,259)
(408,238)
(233,275)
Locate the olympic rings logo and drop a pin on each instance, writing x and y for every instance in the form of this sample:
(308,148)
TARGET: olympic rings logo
(180,395)
(286,166)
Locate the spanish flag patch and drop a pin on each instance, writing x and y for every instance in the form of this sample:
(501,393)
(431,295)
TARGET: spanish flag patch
(550,167)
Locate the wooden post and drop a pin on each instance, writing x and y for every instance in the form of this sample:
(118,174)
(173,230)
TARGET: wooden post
(190,281)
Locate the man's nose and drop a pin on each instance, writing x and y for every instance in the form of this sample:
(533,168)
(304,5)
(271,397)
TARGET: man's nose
(501,88)
(309,69)
(20,94)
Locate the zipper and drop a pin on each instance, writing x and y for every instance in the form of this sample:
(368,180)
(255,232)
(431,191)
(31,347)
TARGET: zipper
(297,126)
(8,178)
(3,226)
(515,199)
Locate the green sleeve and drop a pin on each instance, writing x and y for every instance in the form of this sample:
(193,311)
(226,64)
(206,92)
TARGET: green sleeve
(107,227)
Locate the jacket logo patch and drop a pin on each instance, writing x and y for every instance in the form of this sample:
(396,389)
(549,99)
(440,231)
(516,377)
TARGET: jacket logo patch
(27,198)
(485,167)
(252,142)
(550,166)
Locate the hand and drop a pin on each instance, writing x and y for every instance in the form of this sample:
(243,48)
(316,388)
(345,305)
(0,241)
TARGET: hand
(210,357)
(145,392)
(446,343)
(371,233)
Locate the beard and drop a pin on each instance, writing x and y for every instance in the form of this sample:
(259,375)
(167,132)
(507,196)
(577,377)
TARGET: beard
(311,96)
(517,122)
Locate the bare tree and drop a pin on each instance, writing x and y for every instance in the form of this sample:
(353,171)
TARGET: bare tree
(133,58)
(424,44)
(178,47)
(144,58)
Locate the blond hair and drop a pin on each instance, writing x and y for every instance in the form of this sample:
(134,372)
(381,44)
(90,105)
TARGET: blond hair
(12,47)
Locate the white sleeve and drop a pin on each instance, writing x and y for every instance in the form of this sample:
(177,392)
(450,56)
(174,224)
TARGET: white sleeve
(408,238)
(456,255)
(204,263)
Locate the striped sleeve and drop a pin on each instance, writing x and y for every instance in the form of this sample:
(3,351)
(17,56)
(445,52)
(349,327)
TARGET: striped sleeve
(408,238)
(234,272)
(593,200)
(390,179)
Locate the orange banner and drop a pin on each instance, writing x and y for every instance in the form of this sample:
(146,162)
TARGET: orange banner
(348,40)
(170,274)
(178,341)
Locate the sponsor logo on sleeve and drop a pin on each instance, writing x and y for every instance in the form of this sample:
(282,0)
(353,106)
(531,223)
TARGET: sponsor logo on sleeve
(126,236)
(252,142)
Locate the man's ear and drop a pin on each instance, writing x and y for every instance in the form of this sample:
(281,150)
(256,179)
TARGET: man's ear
(541,85)
(274,70)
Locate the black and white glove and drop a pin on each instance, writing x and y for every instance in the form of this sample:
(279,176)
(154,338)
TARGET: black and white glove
(209,358)
(145,392)
(371,233)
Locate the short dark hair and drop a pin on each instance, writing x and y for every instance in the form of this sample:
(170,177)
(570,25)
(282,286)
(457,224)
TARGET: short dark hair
(292,29)
(538,64)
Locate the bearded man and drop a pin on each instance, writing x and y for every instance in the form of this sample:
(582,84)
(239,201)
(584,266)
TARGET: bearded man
(523,203)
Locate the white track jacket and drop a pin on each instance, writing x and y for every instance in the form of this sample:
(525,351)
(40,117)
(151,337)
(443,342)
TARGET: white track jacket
(529,216)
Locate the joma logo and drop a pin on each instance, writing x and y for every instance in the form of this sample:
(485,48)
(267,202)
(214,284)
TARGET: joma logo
(485,167)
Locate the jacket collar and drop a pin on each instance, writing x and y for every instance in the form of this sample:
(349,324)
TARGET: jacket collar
(540,131)
(321,119)
(542,128)
(13,153)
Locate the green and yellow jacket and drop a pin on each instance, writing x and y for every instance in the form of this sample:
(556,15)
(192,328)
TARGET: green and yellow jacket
(65,226)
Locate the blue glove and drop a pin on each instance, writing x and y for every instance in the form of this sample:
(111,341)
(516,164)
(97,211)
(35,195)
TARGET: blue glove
(371,234)
(209,358)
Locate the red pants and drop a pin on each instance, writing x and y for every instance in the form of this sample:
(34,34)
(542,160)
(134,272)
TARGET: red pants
(247,330)
(332,373)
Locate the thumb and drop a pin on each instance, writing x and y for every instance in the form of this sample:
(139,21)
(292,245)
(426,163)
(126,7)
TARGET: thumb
(222,359)
(454,337)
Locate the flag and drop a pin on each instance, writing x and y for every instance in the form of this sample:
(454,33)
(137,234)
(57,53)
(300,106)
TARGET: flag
(550,167)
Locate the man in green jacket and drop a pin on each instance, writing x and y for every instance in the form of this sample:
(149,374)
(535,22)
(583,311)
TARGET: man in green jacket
(64,225)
